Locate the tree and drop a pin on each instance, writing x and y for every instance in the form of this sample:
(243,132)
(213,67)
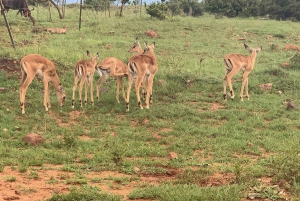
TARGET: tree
(232,8)
(191,7)
(281,9)
(122,6)
(157,10)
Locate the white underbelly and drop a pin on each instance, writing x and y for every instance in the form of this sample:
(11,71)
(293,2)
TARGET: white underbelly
(40,73)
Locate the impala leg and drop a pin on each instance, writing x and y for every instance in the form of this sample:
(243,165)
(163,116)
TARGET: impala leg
(86,85)
(23,86)
(244,83)
(149,90)
(137,86)
(129,84)
(144,86)
(23,89)
(74,90)
(122,85)
(46,93)
(113,71)
(224,88)
(119,83)
(48,97)
(247,94)
(150,96)
(82,81)
(230,87)
(100,81)
(91,89)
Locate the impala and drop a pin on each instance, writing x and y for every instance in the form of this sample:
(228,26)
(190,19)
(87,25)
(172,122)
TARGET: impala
(233,64)
(111,66)
(142,66)
(137,48)
(84,71)
(34,64)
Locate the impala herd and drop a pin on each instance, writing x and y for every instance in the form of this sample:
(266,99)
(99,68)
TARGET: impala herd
(141,69)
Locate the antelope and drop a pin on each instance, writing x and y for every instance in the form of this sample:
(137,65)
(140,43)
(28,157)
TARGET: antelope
(143,66)
(34,64)
(111,66)
(233,64)
(137,48)
(84,70)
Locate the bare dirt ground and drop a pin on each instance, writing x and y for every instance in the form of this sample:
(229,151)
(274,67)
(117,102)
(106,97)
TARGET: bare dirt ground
(16,185)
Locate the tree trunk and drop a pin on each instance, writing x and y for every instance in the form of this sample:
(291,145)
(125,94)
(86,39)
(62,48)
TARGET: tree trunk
(49,6)
(121,10)
(191,11)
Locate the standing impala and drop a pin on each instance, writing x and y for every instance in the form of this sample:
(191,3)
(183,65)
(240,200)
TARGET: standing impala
(84,71)
(111,66)
(143,66)
(233,64)
(137,48)
(34,64)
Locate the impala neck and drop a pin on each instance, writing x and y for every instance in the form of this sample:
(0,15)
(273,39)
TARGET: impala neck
(56,83)
(151,54)
(253,57)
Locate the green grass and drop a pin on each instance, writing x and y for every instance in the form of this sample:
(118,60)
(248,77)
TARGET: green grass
(248,140)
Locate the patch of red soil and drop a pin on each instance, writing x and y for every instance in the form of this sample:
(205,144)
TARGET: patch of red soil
(9,65)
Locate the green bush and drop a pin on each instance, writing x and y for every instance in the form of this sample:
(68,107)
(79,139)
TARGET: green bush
(157,10)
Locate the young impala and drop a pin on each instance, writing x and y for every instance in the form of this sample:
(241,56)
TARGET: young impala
(34,64)
(137,48)
(84,71)
(111,66)
(142,66)
(233,64)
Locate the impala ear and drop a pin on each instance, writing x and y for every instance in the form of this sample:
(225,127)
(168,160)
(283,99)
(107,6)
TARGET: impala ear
(248,48)
(98,55)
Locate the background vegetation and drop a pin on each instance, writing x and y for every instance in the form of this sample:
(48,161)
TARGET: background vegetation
(225,150)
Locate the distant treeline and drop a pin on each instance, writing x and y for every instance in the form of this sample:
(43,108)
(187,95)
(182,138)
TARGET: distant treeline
(274,9)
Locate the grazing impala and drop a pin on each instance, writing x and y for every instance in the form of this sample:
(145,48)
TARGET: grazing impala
(34,64)
(233,64)
(111,66)
(143,66)
(84,71)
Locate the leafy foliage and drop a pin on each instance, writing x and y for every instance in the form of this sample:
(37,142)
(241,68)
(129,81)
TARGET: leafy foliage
(275,9)
(157,10)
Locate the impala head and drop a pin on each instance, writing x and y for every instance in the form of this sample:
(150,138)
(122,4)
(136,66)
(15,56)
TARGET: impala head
(94,59)
(149,47)
(256,50)
(61,95)
(135,46)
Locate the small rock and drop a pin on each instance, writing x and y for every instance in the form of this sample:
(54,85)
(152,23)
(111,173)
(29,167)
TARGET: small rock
(136,169)
(290,105)
(267,86)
